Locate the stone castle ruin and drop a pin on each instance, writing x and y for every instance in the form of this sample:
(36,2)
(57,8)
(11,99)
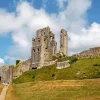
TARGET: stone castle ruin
(44,47)
(91,53)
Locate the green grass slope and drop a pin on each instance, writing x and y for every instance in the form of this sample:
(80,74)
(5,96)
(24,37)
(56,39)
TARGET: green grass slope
(81,69)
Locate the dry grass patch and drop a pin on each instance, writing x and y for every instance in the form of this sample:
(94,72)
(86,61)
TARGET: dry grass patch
(55,90)
(11,95)
(1,87)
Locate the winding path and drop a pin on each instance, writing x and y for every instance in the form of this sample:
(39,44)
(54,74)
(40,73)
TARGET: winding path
(3,93)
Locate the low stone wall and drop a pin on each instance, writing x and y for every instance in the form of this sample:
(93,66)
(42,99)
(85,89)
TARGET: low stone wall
(61,65)
(47,64)
(91,53)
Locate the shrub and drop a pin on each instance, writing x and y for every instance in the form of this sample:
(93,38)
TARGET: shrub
(73,59)
(15,67)
(17,61)
(53,75)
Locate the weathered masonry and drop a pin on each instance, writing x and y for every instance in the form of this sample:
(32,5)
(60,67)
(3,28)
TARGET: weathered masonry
(91,53)
(44,47)
(64,42)
(6,74)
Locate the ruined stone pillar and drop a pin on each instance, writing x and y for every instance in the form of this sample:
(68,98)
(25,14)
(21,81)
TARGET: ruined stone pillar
(64,42)
(11,74)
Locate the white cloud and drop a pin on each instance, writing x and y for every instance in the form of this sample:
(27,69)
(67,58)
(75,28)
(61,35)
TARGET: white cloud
(24,22)
(89,37)
(1,62)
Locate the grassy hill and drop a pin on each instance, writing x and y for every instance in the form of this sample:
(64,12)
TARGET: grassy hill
(81,69)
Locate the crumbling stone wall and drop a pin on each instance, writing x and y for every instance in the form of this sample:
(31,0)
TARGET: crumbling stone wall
(61,65)
(91,53)
(23,67)
(6,74)
(47,64)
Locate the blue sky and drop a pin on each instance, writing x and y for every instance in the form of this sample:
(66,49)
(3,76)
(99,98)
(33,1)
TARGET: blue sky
(19,19)
(94,12)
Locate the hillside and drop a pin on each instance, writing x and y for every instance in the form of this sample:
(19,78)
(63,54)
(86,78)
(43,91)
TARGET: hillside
(81,69)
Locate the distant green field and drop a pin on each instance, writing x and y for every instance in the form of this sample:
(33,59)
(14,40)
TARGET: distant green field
(81,69)
(55,90)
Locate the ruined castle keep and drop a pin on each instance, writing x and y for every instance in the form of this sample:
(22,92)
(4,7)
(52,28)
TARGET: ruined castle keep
(64,42)
(44,47)
(91,53)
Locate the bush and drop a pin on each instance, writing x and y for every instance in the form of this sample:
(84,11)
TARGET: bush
(15,67)
(72,60)
(17,62)
(53,75)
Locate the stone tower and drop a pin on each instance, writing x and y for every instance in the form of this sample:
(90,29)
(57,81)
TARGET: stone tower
(64,42)
(7,74)
(44,47)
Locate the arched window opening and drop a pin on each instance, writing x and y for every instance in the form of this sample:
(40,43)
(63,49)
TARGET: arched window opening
(34,50)
(38,49)
(51,38)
